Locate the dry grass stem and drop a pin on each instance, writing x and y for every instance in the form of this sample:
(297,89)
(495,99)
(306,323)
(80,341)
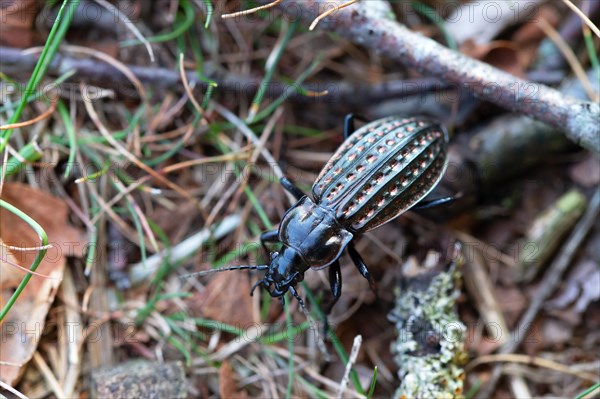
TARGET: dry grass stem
(48,375)
(583,17)
(129,25)
(12,390)
(189,91)
(129,156)
(570,56)
(250,11)
(329,12)
(351,360)
(531,360)
(43,116)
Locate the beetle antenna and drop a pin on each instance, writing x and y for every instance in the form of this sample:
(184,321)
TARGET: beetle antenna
(313,324)
(225,269)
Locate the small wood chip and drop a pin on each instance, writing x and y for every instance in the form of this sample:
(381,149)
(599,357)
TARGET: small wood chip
(140,379)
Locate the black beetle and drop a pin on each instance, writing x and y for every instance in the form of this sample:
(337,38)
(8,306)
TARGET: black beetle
(380,171)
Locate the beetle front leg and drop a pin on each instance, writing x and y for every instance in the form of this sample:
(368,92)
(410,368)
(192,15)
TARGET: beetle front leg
(434,203)
(335,282)
(361,266)
(271,236)
(291,188)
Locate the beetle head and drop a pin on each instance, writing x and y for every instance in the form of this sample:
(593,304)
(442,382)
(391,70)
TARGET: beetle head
(285,271)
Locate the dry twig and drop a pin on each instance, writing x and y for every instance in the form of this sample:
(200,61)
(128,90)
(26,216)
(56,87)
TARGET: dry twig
(580,120)
(332,92)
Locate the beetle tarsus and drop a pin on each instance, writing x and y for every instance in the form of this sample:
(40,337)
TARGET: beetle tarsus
(434,203)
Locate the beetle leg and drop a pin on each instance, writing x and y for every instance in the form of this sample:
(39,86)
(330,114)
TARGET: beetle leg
(291,188)
(295,294)
(348,125)
(434,203)
(269,236)
(361,266)
(335,282)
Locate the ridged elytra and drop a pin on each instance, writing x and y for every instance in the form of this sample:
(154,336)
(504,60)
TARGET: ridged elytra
(380,171)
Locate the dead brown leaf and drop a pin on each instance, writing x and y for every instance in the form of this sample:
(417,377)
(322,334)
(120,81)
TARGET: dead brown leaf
(586,172)
(581,288)
(227,383)
(529,36)
(226,299)
(23,326)
(18,17)
(513,303)
(11,276)
(107,46)
(502,54)
(486,345)
(556,332)
(515,55)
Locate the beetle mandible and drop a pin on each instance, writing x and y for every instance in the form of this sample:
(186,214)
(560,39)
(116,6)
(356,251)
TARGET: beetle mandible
(380,171)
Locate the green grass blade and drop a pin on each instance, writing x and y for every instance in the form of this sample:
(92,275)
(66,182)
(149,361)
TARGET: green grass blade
(30,153)
(64,114)
(39,94)
(319,393)
(434,17)
(591,49)
(181,28)
(36,262)
(270,69)
(588,391)
(277,102)
(373,383)
(280,336)
(59,28)
(289,325)
(209,13)
(339,348)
